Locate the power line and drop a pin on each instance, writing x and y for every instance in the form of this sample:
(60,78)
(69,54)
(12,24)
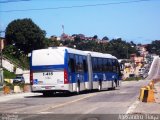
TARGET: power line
(8,1)
(78,6)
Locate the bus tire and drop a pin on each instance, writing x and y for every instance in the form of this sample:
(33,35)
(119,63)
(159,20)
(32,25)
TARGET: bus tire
(116,82)
(100,86)
(78,87)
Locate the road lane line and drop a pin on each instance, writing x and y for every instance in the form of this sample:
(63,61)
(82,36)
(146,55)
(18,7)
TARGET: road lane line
(67,103)
(90,110)
(132,107)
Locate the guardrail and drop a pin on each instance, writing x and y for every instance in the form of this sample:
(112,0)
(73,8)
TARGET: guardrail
(151,67)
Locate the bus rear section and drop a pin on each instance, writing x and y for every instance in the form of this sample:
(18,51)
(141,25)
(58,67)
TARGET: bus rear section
(47,71)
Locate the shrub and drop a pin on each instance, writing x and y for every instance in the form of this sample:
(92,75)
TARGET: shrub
(8,75)
(133,79)
(9,84)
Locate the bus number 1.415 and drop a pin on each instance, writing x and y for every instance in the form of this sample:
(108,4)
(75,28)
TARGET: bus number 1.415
(47,73)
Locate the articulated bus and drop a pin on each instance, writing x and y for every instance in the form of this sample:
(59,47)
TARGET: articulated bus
(63,69)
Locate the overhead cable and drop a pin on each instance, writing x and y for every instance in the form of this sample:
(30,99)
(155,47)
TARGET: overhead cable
(77,6)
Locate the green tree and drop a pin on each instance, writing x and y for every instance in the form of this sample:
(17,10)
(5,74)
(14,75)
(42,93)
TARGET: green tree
(25,35)
(105,38)
(154,47)
(95,37)
(51,43)
(121,49)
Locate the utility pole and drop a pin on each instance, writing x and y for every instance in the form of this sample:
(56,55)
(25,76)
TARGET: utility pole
(1,58)
(127,52)
(62,29)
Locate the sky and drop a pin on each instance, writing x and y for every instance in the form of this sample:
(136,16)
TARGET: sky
(131,20)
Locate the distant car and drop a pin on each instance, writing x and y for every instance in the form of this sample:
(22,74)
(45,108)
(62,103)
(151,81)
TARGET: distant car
(19,79)
(141,70)
(145,75)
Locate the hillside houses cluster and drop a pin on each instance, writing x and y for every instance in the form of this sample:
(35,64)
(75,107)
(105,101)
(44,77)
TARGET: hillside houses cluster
(65,37)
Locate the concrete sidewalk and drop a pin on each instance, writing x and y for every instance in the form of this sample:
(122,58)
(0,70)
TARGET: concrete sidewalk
(150,108)
(12,96)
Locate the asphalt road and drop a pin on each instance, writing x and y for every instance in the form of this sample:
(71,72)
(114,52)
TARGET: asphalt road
(104,105)
(62,106)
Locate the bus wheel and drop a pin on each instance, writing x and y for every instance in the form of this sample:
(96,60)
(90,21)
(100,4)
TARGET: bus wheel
(78,88)
(116,82)
(100,86)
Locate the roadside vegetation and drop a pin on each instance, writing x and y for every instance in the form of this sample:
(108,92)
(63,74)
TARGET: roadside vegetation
(133,79)
(23,35)
(17,57)
(8,75)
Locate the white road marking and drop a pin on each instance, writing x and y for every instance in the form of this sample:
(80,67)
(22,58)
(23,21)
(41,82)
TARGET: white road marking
(66,103)
(46,112)
(132,107)
(90,110)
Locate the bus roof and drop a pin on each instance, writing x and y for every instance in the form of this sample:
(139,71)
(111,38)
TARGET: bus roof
(75,51)
(62,49)
(56,55)
(97,54)
(80,52)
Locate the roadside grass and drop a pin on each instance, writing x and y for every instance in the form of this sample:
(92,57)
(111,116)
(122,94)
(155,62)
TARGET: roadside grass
(8,75)
(133,79)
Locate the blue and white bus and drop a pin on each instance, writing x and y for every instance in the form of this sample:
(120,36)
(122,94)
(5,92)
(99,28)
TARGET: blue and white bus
(59,69)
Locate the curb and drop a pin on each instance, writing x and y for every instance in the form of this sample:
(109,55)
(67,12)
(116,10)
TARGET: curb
(14,96)
(11,93)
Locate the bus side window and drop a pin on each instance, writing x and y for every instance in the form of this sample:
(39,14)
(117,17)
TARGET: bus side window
(80,68)
(85,66)
(114,65)
(94,64)
(105,65)
(110,65)
(100,65)
(117,67)
(77,62)
(71,64)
